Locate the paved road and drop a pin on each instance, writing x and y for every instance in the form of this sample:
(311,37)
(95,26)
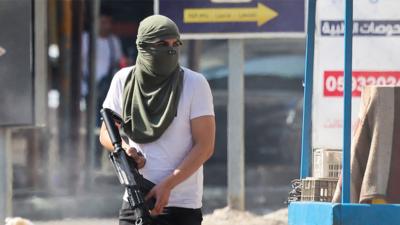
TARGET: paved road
(224,216)
(80,222)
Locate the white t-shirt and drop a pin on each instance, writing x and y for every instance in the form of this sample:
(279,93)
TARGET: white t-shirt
(164,155)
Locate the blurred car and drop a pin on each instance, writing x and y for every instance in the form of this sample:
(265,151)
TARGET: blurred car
(273,108)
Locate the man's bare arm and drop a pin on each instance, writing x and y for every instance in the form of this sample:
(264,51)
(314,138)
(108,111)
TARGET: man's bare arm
(203,133)
(105,139)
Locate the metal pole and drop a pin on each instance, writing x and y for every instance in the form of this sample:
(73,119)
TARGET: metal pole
(194,52)
(5,174)
(156,7)
(236,192)
(348,48)
(53,149)
(65,122)
(41,89)
(41,63)
(92,96)
(308,86)
(76,77)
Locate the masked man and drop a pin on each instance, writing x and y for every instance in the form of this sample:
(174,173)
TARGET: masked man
(169,118)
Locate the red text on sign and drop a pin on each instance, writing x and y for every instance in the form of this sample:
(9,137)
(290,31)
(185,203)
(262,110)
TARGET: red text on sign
(334,81)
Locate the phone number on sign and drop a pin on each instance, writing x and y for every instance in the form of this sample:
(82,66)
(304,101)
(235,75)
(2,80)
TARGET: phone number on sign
(334,81)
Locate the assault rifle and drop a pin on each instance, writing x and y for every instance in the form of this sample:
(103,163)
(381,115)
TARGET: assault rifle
(135,184)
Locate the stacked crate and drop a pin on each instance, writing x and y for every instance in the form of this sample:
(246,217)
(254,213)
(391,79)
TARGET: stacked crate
(327,165)
(318,189)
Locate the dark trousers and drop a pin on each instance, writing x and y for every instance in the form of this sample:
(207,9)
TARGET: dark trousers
(171,216)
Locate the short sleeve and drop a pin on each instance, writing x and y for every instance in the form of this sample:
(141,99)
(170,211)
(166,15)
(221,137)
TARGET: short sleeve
(202,99)
(113,99)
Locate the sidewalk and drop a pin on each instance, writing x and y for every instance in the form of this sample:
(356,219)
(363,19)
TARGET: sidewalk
(266,190)
(218,217)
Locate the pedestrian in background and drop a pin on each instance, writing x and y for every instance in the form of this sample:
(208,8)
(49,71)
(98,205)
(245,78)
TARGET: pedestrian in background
(108,55)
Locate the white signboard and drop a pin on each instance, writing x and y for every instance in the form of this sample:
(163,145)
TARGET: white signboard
(376,55)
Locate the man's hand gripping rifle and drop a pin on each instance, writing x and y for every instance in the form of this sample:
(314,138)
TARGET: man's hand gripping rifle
(135,184)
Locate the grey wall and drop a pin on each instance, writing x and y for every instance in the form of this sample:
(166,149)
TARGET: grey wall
(16,76)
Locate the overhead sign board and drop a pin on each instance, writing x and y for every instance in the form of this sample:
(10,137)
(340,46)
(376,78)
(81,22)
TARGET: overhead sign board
(201,19)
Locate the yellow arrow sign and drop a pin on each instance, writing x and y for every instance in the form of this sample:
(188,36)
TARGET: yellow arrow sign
(260,14)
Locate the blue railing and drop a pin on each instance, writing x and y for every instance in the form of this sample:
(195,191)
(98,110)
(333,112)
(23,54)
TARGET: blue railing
(306,148)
